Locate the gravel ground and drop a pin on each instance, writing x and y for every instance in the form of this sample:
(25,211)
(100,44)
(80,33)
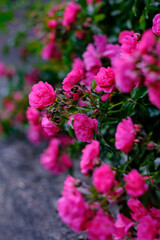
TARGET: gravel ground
(28,195)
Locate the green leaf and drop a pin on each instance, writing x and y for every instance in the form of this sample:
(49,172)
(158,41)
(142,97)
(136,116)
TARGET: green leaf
(99,17)
(106,105)
(93,84)
(138,93)
(71,132)
(129,108)
(142,22)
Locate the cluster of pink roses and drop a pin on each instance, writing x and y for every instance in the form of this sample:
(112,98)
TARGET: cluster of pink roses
(78,209)
(53,160)
(51,50)
(139,66)
(78,108)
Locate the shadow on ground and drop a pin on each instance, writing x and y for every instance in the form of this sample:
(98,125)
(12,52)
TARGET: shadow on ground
(28,195)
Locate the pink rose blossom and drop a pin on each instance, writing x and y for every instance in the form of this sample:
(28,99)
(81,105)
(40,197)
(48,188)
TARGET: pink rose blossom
(147,42)
(103,178)
(158,48)
(101,227)
(100,41)
(72,79)
(80,34)
(156,24)
(50,51)
(138,209)
(125,135)
(34,134)
(135,184)
(154,94)
(112,51)
(78,64)
(123,224)
(105,78)
(42,95)
(128,39)
(69,186)
(72,210)
(115,195)
(147,228)
(91,59)
(153,83)
(33,116)
(84,127)
(126,76)
(52,24)
(89,157)
(155,213)
(49,127)
(52,160)
(70,14)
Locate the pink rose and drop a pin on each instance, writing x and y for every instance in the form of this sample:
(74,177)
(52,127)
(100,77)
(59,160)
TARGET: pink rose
(89,157)
(52,160)
(126,76)
(49,127)
(153,83)
(84,127)
(147,228)
(72,210)
(128,39)
(105,78)
(147,42)
(123,224)
(125,135)
(33,116)
(50,51)
(34,134)
(155,214)
(91,59)
(52,24)
(100,41)
(70,14)
(135,184)
(103,178)
(42,95)
(158,48)
(112,51)
(101,227)
(72,79)
(138,209)
(78,64)
(156,24)
(69,186)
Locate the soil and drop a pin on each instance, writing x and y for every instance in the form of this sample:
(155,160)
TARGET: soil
(28,195)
